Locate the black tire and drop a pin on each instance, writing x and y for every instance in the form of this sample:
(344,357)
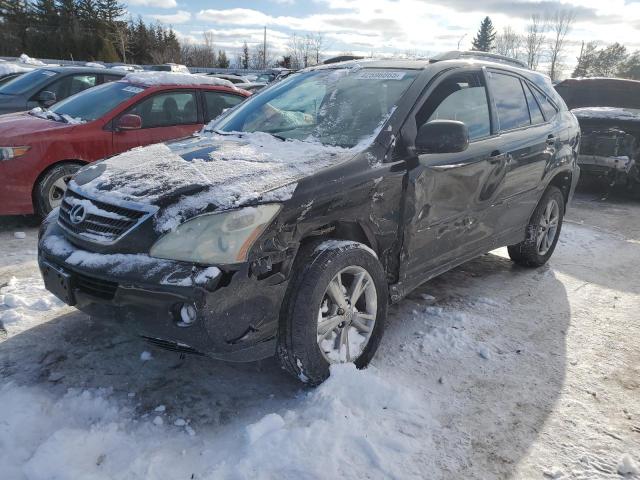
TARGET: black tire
(42,199)
(527,253)
(316,265)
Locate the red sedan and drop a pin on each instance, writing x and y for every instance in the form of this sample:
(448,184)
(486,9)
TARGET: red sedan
(40,150)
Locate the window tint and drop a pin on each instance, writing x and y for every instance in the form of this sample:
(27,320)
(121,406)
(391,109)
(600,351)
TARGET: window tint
(534,108)
(217,102)
(547,107)
(167,109)
(71,84)
(463,98)
(511,105)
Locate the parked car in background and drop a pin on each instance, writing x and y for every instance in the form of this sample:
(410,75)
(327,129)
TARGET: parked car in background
(43,87)
(608,110)
(290,223)
(235,79)
(170,67)
(273,74)
(42,149)
(127,67)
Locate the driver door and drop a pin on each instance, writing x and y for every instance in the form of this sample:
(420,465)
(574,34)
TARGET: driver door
(449,198)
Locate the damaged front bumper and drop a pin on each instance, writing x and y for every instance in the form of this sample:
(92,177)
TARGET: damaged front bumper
(622,164)
(236,312)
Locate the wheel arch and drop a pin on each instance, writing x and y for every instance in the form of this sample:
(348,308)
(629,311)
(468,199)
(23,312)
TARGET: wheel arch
(563,181)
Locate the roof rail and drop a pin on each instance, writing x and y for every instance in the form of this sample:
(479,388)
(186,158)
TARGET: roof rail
(342,58)
(457,55)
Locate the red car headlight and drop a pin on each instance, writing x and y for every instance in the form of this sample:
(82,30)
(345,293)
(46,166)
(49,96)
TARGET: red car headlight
(7,153)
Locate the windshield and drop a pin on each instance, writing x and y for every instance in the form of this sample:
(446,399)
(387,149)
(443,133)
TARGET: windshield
(93,103)
(339,107)
(25,82)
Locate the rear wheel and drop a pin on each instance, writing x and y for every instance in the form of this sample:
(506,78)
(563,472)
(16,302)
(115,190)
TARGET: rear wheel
(543,231)
(51,187)
(335,310)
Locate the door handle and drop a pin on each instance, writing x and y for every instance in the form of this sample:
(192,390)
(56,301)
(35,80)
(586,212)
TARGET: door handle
(496,157)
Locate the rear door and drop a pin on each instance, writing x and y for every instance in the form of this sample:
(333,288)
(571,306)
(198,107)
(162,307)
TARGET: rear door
(165,116)
(449,196)
(529,143)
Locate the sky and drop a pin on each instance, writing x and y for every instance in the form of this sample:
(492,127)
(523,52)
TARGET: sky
(384,27)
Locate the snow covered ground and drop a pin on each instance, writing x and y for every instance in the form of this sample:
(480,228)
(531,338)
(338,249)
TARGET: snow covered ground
(490,371)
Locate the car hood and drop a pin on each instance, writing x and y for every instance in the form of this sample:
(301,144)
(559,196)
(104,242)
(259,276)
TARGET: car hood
(17,125)
(207,172)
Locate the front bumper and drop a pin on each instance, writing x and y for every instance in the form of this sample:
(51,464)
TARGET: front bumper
(237,317)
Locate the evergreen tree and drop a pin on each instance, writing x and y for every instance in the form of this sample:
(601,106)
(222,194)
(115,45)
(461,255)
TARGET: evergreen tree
(483,42)
(586,60)
(630,68)
(223,61)
(245,56)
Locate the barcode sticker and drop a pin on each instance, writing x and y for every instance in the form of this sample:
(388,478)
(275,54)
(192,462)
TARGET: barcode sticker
(379,75)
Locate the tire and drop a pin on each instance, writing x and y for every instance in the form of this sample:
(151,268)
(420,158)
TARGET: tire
(309,299)
(538,246)
(49,189)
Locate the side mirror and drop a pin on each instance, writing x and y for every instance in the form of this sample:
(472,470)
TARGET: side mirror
(442,136)
(129,122)
(47,98)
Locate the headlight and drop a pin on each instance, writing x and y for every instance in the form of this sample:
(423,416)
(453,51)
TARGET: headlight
(7,153)
(217,238)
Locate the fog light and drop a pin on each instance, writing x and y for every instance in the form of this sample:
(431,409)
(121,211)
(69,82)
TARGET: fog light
(188,315)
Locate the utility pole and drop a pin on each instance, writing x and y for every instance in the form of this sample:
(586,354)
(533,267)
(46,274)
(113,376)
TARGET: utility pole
(264,49)
(461,38)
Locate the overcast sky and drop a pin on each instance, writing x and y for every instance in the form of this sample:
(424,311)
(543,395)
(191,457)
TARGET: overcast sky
(384,26)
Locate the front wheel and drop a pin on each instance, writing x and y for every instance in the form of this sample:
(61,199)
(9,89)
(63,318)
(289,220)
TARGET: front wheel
(335,310)
(543,231)
(51,187)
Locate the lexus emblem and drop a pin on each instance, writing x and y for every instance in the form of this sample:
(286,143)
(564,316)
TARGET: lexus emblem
(77,214)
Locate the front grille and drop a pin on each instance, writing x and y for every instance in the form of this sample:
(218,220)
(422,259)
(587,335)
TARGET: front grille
(94,286)
(103,222)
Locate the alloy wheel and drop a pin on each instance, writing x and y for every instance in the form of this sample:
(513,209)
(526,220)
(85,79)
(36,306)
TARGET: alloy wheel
(56,192)
(548,227)
(347,315)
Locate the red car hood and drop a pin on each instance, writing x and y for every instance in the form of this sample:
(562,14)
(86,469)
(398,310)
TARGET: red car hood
(15,126)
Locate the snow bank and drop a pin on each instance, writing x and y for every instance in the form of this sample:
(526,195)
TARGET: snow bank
(610,113)
(23,302)
(173,78)
(331,432)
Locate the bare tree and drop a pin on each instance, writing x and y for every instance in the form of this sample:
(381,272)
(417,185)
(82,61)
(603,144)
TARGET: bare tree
(201,54)
(317,45)
(305,50)
(258,59)
(534,40)
(559,25)
(509,43)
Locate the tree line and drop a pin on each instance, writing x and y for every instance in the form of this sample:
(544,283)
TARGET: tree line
(83,30)
(545,42)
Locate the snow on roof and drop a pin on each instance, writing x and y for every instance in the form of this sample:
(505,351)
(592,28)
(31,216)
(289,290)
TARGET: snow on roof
(94,65)
(611,113)
(6,68)
(24,58)
(173,78)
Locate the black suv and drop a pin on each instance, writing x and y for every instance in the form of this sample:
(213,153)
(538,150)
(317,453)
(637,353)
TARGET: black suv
(290,223)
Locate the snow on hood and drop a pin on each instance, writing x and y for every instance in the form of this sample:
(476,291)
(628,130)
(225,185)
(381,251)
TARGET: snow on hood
(611,113)
(50,115)
(173,78)
(223,171)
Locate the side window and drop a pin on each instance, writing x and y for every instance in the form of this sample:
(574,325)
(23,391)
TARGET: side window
(534,108)
(217,102)
(461,97)
(167,109)
(511,104)
(548,108)
(71,84)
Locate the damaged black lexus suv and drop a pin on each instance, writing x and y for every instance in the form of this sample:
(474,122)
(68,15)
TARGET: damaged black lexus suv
(288,225)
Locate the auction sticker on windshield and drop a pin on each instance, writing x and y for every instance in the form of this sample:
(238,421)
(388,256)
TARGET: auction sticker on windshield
(376,75)
(133,89)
